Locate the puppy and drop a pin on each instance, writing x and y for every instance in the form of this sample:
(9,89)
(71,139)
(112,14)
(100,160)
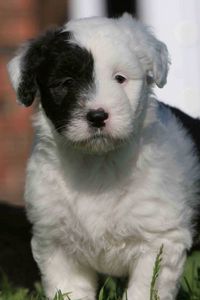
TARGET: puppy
(113,174)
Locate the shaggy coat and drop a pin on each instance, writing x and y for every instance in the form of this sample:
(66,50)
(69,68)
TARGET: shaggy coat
(113,174)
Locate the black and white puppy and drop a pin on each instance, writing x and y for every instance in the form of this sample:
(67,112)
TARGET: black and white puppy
(113,174)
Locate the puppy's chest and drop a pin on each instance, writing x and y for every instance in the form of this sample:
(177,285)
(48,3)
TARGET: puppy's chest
(102,224)
(98,207)
(99,233)
(112,211)
(104,204)
(100,213)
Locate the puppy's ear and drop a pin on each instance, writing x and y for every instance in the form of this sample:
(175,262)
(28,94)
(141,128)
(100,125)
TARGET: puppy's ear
(152,53)
(23,68)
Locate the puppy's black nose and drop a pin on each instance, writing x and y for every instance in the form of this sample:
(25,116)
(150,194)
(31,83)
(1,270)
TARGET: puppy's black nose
(97,117)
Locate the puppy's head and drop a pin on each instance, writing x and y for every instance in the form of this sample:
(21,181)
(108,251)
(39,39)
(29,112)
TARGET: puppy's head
(90,76)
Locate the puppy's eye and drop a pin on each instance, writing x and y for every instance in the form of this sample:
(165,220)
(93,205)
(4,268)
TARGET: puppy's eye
(120,78)
(65,83)
(68,81)
(59,89)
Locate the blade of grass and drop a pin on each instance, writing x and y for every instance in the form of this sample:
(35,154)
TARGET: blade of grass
(102,290)
(156,270)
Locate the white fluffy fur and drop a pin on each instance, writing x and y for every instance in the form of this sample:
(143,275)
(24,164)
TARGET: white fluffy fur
(109,211)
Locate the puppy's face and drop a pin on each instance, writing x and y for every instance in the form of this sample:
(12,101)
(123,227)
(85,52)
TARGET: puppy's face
(90,76)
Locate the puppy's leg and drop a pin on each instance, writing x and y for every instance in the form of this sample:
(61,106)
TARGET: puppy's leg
(141,273)
(60,272)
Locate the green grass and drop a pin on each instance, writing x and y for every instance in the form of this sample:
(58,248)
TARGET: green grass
(112,289)
(156,270)
(190,283)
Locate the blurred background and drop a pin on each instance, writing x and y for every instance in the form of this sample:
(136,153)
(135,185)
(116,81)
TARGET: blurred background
(20,20)
(176,22)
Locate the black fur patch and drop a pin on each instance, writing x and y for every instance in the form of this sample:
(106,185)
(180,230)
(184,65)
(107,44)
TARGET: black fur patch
(192,127)
(61,70)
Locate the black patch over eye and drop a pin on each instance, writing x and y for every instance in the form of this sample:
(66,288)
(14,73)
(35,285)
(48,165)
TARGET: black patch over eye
(120,78)
(64,75)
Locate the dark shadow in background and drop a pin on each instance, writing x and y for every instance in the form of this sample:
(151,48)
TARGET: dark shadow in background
(116,8)
(16,261)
